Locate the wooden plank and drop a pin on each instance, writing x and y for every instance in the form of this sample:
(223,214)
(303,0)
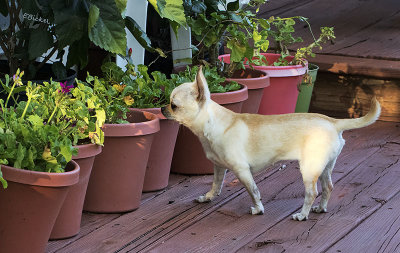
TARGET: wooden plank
(92,221)
(165,211)
(379,233)
(355,198)
(230,226)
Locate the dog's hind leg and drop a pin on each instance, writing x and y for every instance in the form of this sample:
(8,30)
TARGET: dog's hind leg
(246,178)
(311,168)
(219,175)
(327,187)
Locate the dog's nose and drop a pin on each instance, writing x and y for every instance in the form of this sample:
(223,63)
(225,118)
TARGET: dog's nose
(163,110)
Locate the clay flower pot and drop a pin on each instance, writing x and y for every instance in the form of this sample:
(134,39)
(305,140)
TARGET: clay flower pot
(68,221)
(189,156)
(281,95)
(30,205)
(162,149)
(118,171)
(255,81)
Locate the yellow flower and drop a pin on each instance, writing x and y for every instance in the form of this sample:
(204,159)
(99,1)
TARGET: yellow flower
(119,88)
(129,100)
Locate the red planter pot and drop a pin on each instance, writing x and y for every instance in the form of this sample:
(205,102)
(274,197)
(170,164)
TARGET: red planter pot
(30,205)
(118,171)
(281,95)
(162,149)
(68,221)
(189,157)
(255,81)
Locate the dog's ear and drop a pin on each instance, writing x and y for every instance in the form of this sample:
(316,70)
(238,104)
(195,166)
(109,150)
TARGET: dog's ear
(202,86)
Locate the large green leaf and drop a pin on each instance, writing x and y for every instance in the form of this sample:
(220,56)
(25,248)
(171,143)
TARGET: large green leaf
(39,42)
(78,53)
(71,21)
(138,33)
(121,5)
(172,10)
(109,30)
(94,13)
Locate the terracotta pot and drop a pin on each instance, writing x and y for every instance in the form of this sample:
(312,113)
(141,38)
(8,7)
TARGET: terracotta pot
(118,171)
(30,205)
(281,95)
(69,219)
(255,81)
(189,156)
(162,149)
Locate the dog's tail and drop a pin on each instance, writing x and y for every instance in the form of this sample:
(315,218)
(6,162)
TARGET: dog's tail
(368,119)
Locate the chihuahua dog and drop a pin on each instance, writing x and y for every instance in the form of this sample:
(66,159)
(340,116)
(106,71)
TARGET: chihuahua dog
(247,143)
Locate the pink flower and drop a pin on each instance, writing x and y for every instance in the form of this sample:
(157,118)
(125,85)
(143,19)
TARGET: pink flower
(65,88)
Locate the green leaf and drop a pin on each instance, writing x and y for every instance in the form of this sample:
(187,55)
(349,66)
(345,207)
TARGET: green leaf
(94,13)
(109,30)
(4,12)
(78,53)
(172,10)
(121,5)
(66,152)
(238,50)
(139,34)
(39,42)
(36,121)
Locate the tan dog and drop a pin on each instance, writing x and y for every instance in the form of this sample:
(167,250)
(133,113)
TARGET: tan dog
(246,143)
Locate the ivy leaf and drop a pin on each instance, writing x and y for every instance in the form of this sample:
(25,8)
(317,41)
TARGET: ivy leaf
(65,151)
(36,121)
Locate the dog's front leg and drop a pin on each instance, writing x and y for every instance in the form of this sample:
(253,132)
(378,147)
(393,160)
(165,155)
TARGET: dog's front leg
(219,175)
(246,178)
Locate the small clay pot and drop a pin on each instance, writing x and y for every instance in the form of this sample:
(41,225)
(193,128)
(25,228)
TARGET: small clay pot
(117,178)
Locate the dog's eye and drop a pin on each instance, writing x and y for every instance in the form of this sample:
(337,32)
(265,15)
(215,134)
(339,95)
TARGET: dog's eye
(173,106)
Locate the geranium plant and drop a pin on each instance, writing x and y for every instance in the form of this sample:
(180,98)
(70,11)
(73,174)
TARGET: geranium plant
(33,137)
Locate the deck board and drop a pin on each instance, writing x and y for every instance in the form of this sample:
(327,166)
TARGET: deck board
(169,220)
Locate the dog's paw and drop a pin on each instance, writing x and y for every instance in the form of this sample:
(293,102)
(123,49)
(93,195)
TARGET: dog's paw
(299,217)
(257,210)
(318,209)
(203,199)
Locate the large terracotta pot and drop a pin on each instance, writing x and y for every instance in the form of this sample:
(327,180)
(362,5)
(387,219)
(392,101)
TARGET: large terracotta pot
(255,81)
(30,205)
(69,219)
(189,156)
(118,172)
(281,95)
(162,149)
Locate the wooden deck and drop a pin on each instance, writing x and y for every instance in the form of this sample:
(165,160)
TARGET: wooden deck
(362,214)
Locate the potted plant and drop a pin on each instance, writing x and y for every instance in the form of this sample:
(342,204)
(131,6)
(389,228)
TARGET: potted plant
(229,94)
(36,169)
(285,71)
(217,23)
(82,109)
(150,92)
(118,172)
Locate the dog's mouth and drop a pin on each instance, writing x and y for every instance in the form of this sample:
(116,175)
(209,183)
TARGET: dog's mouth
(166,113)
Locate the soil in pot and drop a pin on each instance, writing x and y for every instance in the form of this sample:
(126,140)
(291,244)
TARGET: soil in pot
(162,149)
(68,221)
(30,205)
(117,178)
(189,156)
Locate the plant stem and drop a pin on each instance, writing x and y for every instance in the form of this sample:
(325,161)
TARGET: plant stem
(51,116)
(26,107)
(9,95)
